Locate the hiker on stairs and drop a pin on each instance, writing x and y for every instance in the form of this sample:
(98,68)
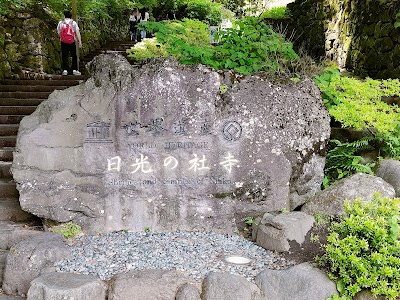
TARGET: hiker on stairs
(69,34)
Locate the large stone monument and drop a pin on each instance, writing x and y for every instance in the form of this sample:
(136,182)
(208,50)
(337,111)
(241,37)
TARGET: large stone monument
(170,147)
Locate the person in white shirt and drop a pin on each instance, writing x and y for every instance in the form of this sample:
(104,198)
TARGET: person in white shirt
(68,40)
(145,17)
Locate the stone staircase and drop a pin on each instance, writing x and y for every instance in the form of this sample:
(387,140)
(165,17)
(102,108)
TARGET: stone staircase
(19,98)
(111,47)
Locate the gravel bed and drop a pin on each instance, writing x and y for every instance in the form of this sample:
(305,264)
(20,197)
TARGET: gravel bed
(193,253)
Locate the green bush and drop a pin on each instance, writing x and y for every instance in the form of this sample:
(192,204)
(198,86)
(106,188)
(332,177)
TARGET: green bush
(363,249)
(146,49)
(356,103)
(250,46)
(185,40)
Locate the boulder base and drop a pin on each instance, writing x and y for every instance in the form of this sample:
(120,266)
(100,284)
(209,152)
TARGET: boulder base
(162,146)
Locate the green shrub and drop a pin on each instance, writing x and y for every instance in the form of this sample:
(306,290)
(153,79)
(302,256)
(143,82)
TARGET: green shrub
(363,249)
(186,40)
(356,103)
(275,13)
(250,46)
(146,49)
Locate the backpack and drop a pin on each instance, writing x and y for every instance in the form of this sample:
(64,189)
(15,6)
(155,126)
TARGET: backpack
(67,32)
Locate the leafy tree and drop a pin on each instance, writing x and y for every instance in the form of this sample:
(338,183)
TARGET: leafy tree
(236,6)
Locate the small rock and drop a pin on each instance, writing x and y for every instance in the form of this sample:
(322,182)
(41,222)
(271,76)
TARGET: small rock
(60,286)
(331,200)
(275,232)
(301,282)
(224,286)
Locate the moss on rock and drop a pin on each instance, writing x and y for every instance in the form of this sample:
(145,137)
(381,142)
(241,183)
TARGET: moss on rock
(11,50)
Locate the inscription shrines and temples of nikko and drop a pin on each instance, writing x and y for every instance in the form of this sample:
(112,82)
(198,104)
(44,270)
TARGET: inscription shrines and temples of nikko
(160,146)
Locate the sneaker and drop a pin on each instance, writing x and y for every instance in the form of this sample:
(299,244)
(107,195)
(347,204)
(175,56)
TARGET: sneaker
(65,72)
(75,72)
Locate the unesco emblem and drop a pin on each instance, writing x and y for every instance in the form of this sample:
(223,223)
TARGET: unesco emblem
(232,131)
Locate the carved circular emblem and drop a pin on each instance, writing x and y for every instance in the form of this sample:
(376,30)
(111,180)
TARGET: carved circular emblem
(232,131)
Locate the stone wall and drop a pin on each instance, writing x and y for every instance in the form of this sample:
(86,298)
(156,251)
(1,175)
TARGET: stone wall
(29,41)
(359,35)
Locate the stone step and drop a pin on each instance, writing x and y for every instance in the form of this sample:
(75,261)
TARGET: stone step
(25,95)
(48,82)
(6,154)
(17,110)
(8,189)
(30,88)
(20,102)
(12,232)
(91,56)
(10,119)
(8,141)
(10,210)
(67,77)
(8,129)
(113,44)
(5,170)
